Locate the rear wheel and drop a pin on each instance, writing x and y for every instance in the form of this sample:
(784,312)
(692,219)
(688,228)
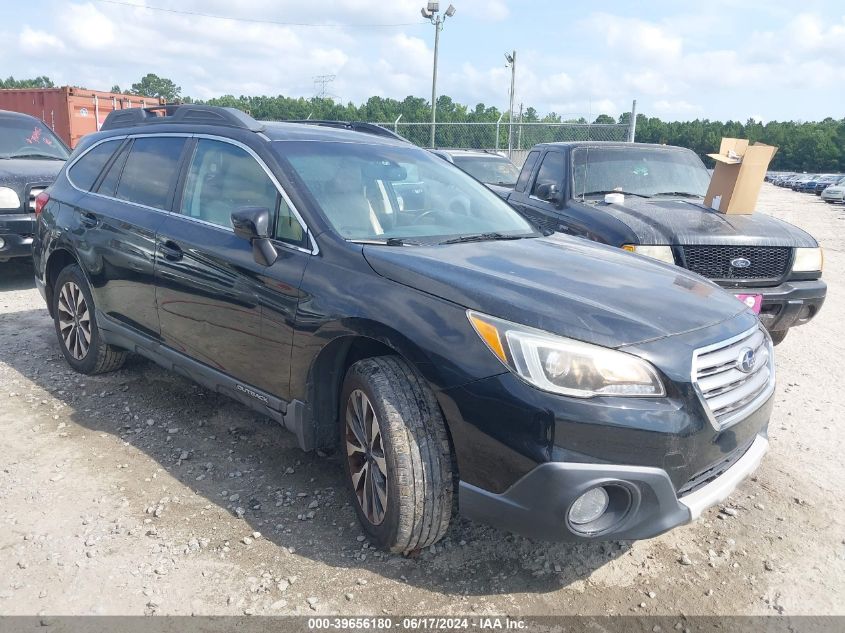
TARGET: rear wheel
(76,326)
(397,454)
(778,336)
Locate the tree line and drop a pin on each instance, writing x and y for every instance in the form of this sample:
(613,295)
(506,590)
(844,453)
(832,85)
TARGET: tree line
(803,145)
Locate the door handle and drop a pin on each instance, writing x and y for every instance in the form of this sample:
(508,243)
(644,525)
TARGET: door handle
(88,219)
(170,250)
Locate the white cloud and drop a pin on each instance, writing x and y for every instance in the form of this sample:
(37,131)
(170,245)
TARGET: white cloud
(34,42)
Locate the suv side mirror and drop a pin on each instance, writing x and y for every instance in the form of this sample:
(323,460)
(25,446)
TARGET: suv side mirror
(550,192)
(253,224)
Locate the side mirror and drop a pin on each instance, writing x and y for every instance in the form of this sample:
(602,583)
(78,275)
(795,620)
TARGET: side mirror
(550,192)
(253,225)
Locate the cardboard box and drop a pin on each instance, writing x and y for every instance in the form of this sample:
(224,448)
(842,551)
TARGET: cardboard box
(738,176)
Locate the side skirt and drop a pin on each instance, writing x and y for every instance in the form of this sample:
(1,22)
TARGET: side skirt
(288,414)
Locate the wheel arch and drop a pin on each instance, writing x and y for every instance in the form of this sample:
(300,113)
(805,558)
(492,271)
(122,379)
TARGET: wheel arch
(59,259)
(329,367)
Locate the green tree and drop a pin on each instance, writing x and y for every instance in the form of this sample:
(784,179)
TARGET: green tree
(604,119)
(152,85)
(37,82)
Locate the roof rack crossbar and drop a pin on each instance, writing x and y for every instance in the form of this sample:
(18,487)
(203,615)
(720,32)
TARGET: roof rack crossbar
(355,126)
(180,113)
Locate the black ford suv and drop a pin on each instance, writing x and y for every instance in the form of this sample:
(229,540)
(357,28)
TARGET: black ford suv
(548,385)
(30,158)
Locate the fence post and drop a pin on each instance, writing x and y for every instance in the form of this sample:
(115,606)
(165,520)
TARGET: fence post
(632,124)
(497,130)
(396,124)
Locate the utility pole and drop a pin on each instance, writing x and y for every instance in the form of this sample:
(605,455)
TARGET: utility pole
(431,12)
(519,135)
(512,61)
(322,81)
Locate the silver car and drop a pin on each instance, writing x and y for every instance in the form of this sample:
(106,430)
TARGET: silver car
(835,192)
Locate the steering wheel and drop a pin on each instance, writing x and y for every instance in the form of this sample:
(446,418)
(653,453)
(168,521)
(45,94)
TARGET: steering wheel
(28,149)
(425,214)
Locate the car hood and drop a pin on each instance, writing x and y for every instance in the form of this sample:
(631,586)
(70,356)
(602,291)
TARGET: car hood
(564,285)
(689,222)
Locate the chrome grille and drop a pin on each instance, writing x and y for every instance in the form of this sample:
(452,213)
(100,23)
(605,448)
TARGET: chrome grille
(33,194)
(714,262)
(729,392)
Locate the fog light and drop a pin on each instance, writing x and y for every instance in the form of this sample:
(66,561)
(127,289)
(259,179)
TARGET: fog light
(804,314)
(2,243)
(589,506)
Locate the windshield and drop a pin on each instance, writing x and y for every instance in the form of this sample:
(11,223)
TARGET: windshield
(25,138)
(642,171)
(377,192)
(494,170)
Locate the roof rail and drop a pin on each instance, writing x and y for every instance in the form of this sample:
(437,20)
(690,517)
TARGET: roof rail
(355,126)
(180,113)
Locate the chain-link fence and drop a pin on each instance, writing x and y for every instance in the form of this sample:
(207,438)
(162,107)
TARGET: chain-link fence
(494,136)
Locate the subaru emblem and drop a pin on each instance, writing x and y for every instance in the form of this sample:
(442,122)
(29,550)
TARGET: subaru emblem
(747,359)
(740,262)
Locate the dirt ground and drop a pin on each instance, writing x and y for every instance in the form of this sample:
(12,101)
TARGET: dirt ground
(138,492)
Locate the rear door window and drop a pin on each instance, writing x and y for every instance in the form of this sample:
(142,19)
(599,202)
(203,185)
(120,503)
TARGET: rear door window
(150,172)
(86,170)
(108,183)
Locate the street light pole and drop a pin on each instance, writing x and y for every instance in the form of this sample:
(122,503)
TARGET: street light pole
(431,12)
(512,61)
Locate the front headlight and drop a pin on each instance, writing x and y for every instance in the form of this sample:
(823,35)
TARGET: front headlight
(808,260)
(565,366)
(9,198)
(663,253)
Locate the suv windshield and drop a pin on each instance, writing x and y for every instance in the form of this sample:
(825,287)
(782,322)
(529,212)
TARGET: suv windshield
(22,138)
(377,192)
(642,171)
(494,170)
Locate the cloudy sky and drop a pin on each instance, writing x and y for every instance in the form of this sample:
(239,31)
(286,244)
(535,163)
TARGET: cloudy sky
(718,59)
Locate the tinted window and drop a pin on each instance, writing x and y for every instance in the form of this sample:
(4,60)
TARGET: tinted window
(150,171)
(85,171)
(222,178)
(109,182)
(551,170)
(494,170)
(527,168)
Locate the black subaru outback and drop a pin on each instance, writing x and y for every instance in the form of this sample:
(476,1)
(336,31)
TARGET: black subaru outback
(30,158)
(548,385)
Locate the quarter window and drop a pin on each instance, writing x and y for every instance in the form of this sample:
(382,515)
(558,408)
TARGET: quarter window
(150,172)
(551,171)
(86,170)
(223,178)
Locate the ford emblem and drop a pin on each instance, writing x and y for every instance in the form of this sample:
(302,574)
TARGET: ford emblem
(740,262)
(746,361)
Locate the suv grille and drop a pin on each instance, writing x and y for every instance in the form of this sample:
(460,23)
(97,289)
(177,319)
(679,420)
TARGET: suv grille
(729,391)
(714,262)
(33,194)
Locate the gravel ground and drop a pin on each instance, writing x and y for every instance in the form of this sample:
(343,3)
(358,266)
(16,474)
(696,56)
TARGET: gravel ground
(139,492)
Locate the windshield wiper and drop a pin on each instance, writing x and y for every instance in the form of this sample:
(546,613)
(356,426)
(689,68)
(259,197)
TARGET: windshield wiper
(38,156)
(390,241)
(679,194)
(482,237)
(626,193)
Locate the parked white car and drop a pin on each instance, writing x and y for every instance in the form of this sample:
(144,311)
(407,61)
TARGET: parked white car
(835,192)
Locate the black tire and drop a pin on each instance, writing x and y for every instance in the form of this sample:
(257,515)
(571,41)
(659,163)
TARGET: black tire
(98,357)
(778,336)
(416,450)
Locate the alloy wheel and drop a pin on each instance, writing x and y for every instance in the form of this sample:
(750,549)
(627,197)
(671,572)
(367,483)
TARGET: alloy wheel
(74,320)
(365,452)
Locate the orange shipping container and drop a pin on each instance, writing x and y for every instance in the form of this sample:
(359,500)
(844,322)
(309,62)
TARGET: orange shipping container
(71,112)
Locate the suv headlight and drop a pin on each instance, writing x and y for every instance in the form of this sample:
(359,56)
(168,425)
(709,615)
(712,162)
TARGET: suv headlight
(566,366)
(808,260)
(663,253)
(9,198)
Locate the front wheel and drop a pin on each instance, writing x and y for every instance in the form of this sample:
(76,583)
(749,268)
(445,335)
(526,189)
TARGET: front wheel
(778,336)
(397,454)
(76,326)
